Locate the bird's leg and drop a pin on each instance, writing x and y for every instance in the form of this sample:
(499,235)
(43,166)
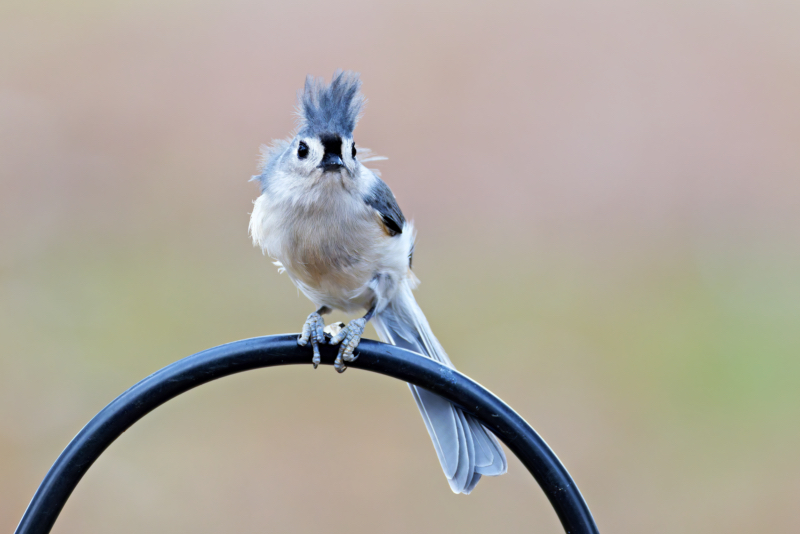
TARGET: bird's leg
(348,339)
(313,331)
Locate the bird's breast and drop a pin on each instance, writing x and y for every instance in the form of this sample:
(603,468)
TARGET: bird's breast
(331,246)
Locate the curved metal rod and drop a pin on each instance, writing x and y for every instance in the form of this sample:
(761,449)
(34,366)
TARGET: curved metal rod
(269,351)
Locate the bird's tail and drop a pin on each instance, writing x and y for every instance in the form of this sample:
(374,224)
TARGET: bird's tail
(465,448)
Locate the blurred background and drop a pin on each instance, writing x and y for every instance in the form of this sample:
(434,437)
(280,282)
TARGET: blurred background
(608,207)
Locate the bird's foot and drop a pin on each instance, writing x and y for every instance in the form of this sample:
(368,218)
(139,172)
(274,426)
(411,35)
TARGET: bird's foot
(348,339)
(313,331)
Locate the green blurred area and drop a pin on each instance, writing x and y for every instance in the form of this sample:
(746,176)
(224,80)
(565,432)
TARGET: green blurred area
(607,205)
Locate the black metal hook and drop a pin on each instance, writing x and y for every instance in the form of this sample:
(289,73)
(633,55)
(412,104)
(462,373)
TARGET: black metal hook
(269,351)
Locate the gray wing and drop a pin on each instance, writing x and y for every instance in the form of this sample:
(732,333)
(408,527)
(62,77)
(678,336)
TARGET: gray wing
(381,199)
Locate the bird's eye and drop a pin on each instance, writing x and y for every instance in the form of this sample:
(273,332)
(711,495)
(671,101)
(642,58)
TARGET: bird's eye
(302,150)
(354,150)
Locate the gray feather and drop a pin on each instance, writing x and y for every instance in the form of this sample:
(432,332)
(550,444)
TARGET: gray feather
(270,159)
(441,421)
(465,448)
(466,462)
(483,448)
(380,198)
(331,108)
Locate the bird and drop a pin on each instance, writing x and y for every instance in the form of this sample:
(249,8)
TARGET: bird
(335,228)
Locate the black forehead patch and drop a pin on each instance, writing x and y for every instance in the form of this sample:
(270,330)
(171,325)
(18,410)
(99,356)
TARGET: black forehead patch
(332,144)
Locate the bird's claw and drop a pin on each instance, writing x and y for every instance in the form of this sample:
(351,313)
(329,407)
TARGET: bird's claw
(313,331)
(348,339)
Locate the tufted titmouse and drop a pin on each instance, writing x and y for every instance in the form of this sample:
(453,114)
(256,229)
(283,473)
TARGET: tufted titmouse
(335,228)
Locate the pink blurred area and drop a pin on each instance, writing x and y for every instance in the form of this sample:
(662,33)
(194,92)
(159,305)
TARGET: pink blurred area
(608,206)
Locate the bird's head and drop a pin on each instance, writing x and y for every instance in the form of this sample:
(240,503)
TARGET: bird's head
(323,146)
(328,114)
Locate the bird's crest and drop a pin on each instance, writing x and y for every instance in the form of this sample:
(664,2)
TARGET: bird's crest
(331,108)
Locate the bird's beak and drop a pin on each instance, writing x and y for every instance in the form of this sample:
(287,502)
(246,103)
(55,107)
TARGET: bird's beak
(331,162)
